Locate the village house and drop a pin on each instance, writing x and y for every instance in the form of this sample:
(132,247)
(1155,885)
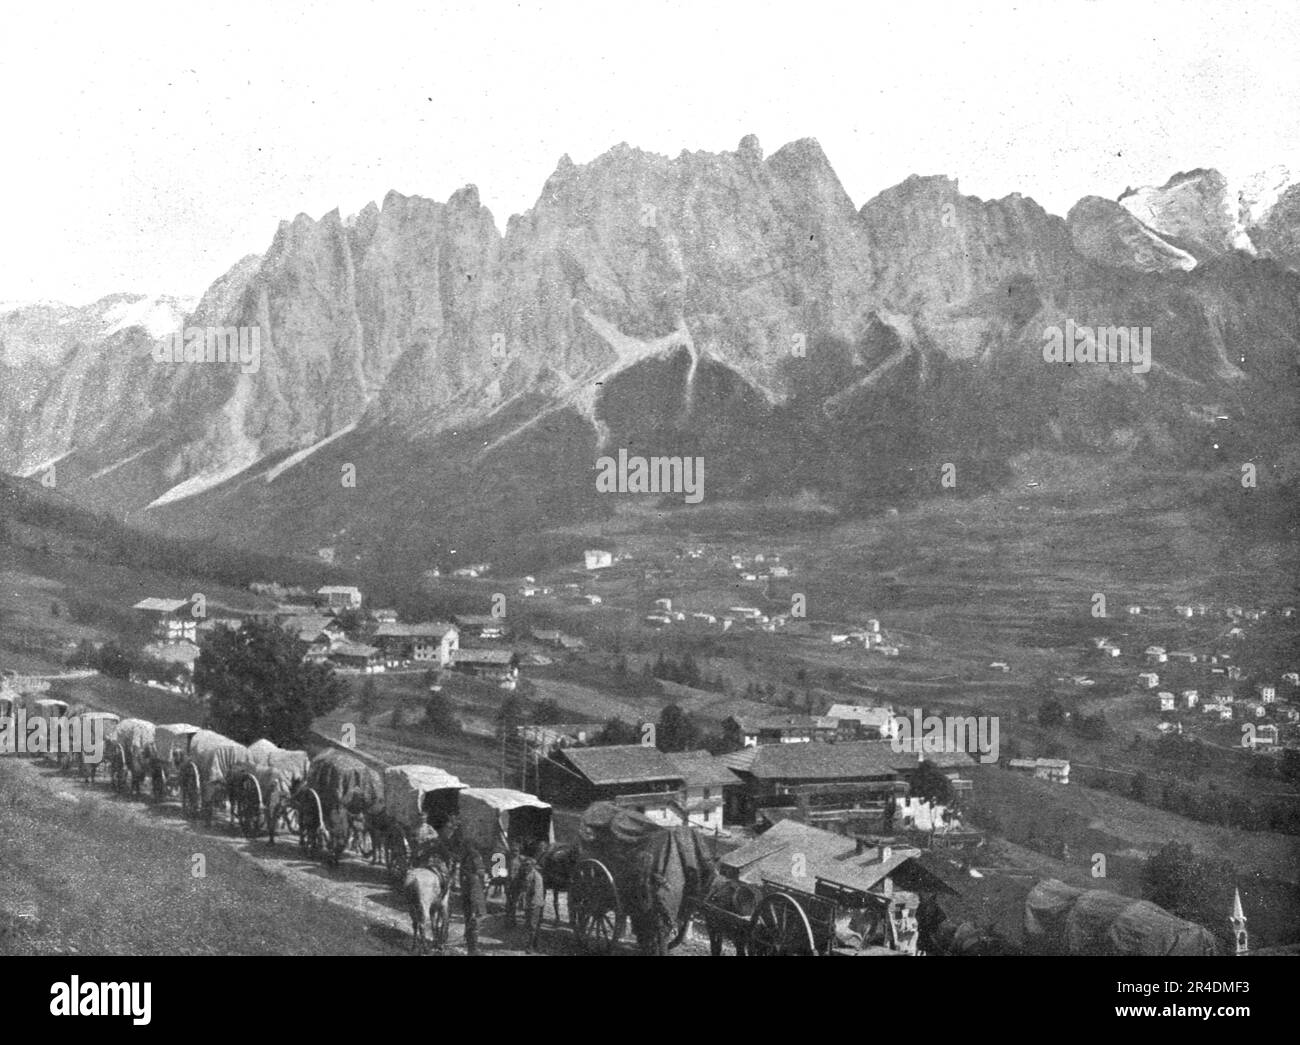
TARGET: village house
(431,641)
(385,616)
(1291,678)
(783,729)
(1250,709)
(315,628)
(1134,610)
(1189,698)
(171,620)
(1267,692)
(497,665)
(861,722)
(1166,700)
(481,626)
(1156,654)
(850,784)
(1183,656)
(340,597)
(1149,679)
(705,781)
(638,776)
(664,604)
(1053,770)
(357,656)
(596,559)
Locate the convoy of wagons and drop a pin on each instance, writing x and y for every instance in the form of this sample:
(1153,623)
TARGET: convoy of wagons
(627,871)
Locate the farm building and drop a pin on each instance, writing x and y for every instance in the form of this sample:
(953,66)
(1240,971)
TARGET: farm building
(860,722)
(433,641)
(315,628)
(635,775)
(595,559)
(783,729)
(705,780)
(851,783)
(481,626)
(357,656)
(498,665)
(340,597)
(1053,770)
(170,619)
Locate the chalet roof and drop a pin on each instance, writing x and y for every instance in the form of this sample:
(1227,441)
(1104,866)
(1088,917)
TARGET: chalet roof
(822,761)
(622,764)
(784,722)
(153,605)
(499,657)
(308,626)
(826,856)
(905,760)
(478,620)
(355,649)
(701,769)
(867,715)
(338,589)
(434,629)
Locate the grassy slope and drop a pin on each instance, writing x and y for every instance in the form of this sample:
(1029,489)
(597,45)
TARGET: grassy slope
(100,885)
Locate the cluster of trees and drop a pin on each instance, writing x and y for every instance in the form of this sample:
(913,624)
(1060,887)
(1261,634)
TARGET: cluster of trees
(1188,885)
(1208,804)
(258,685)
(675,730)
(686,673)
(1052,714)
(121,662)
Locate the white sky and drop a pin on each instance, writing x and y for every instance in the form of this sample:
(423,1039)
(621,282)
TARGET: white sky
(150,147)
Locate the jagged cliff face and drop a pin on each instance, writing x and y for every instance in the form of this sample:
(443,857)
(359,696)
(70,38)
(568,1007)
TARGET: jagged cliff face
(721,303)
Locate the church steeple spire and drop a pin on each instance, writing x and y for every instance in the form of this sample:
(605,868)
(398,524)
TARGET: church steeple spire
(1238,920)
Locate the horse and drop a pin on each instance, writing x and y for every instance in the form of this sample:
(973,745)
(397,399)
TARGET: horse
(557,863)
(427,891)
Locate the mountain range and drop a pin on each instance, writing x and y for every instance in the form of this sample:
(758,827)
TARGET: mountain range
(732,305)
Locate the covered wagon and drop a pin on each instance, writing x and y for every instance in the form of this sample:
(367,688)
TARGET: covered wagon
(171,749)
(634,870)
(1063,919)
(261,790)
(338,788)
(98,731)
(206,773)
(131,754)
(50,711)
(505,824)
(419,803)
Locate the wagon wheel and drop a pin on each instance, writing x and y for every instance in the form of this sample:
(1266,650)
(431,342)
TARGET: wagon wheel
(121,777)
(397,855)
(779,927)
(191,791)
(594,909)
(248,794)
(289,817)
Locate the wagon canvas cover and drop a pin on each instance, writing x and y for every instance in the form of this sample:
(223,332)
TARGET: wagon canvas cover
(135,735)
(486,812)
(406,786)
(281,767)
(173,737)
(216,756)
(343,779)
(259,752)
(632,845)
(1063,919)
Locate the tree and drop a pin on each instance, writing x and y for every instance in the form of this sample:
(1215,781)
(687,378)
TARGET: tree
(677,730)
(1140,788)
(510,715)
(930,784)
(1050,712)
(369,701)
(616,731)
(258,685)
(349,620)
(439,716)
